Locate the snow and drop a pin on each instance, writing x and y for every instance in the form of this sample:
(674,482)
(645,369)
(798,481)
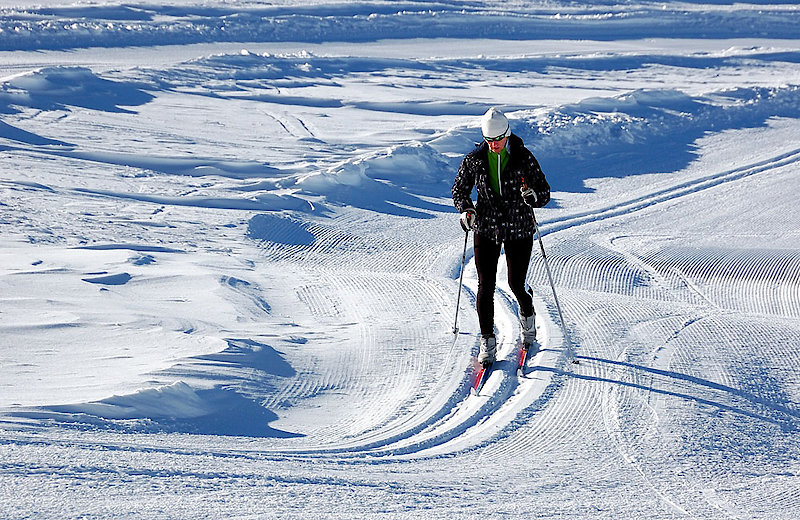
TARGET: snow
(229,260)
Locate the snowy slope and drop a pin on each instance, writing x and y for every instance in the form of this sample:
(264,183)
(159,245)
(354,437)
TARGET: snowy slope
(229,260)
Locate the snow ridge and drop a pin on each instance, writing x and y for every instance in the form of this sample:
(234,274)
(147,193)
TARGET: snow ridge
(147,24)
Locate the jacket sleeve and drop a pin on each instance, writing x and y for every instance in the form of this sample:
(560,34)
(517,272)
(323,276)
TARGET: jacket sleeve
(462,187)
(534,178)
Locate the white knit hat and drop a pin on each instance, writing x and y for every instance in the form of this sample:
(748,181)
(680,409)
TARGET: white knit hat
(495,124)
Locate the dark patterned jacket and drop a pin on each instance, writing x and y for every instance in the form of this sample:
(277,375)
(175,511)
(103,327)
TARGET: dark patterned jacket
(501,216)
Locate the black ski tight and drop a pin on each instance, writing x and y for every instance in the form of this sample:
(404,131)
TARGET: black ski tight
(487,254)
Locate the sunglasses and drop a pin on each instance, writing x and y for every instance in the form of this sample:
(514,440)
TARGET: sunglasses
(494,139)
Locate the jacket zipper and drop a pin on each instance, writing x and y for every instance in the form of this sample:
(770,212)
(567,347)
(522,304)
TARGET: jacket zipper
(499,177)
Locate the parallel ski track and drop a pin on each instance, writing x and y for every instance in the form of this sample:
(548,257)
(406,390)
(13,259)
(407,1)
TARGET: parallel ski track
(765,282)
(687,188)
(430,422)
(376,404)
(396,428)
(476,419)
(430,413)
(637,400)
(573,413)
(384,275)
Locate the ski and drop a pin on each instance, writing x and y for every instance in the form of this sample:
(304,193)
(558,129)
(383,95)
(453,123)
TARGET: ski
(524,353)
(483,375)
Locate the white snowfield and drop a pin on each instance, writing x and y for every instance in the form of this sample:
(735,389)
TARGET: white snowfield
(229,260)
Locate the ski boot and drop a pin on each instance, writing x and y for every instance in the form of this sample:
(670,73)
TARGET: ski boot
(488,350)
(527,325)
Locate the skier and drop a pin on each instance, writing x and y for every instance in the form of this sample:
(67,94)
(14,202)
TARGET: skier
(509,183)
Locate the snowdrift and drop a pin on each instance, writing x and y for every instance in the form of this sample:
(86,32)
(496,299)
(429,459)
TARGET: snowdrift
(81,26)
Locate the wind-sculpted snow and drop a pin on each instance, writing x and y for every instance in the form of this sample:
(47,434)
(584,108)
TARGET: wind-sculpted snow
(577,139)
(279,229)
(54,88)
(570,138)
(110,279)
(58,88)
(152,24)
(177,408)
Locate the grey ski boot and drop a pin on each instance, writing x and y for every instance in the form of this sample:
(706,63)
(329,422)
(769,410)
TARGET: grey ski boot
(488,350)
(527,325)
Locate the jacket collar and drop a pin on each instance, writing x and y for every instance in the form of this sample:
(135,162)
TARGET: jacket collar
(511,143)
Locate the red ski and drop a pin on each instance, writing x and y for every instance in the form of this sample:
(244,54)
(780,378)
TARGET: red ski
(523,357)
(483,375)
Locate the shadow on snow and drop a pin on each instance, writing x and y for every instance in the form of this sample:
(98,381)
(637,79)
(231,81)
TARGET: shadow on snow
(232,407)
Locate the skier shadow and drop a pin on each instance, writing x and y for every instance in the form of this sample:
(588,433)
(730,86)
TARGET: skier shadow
(786,418)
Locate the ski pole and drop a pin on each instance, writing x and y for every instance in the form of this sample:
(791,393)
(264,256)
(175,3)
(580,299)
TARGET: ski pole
(458,306)
(570,352)
(461,280)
